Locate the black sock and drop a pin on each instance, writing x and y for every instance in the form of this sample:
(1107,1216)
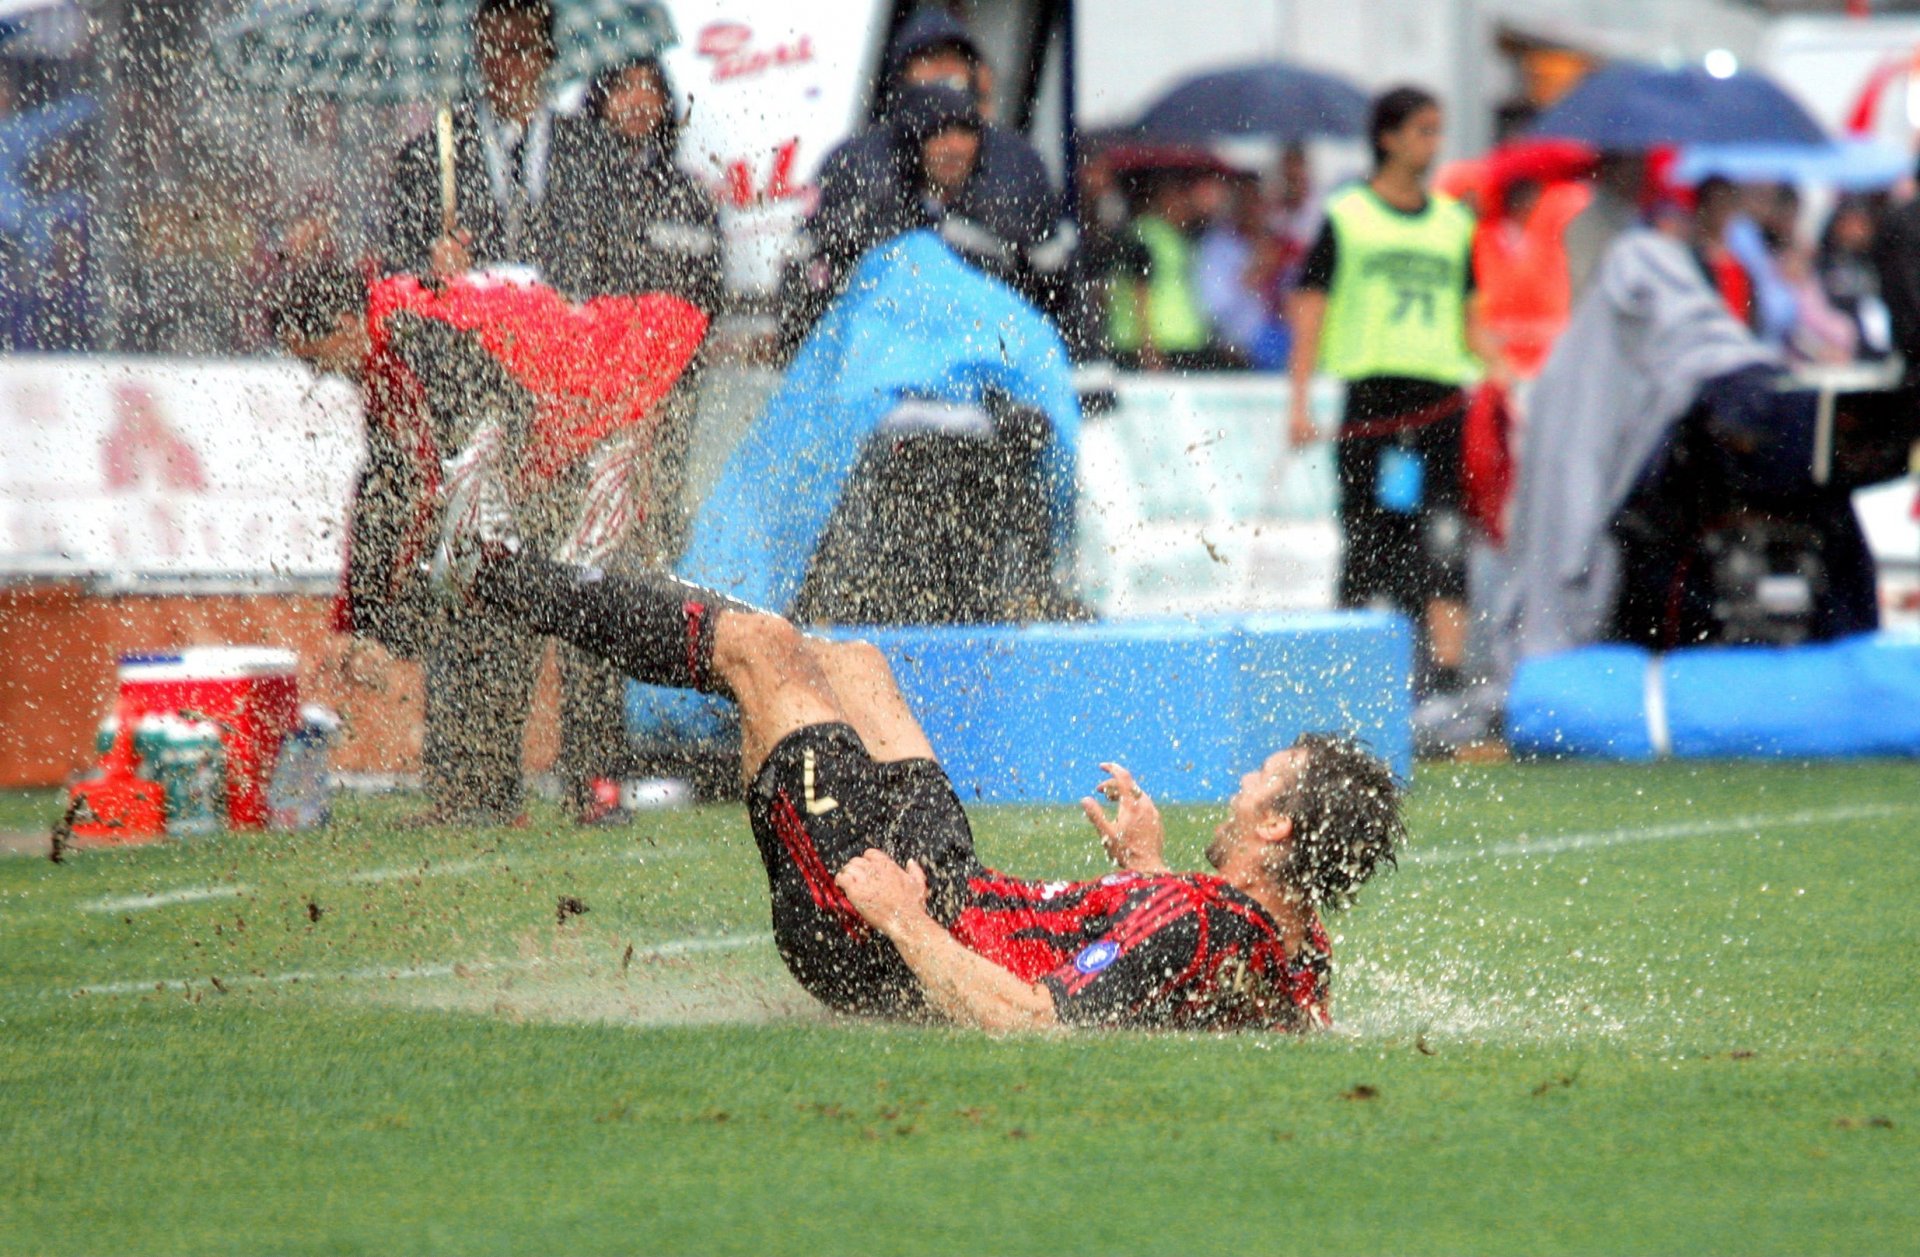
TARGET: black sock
(655,628)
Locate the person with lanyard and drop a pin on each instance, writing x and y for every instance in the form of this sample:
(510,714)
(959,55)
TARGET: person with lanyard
(1386,302)
(503,149)
(513,163)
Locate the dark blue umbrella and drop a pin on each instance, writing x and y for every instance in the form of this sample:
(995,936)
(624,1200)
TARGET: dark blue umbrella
(1631,108)
(1270,99)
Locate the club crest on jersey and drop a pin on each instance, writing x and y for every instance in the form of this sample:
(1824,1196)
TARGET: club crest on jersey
(1097,956)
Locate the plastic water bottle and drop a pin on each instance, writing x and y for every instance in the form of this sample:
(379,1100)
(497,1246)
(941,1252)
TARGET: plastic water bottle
(300,795)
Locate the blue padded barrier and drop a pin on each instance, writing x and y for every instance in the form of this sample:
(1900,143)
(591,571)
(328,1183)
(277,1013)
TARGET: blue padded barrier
(1026,714)
(1856,697)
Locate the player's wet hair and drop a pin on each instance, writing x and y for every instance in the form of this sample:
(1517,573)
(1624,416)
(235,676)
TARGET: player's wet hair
(1346,821)
(1391,109)
(307,301)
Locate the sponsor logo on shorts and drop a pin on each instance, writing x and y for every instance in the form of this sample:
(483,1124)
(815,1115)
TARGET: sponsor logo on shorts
(1097,956)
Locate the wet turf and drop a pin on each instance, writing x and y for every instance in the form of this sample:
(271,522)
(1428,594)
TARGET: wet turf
(1598,1009)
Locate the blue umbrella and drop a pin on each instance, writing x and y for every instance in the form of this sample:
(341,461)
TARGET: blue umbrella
(1631,108)
(1850,165)
(1269,99)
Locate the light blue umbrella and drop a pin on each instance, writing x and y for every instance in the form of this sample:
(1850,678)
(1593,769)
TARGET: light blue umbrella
(17,15)
(395,51)
(1849,165)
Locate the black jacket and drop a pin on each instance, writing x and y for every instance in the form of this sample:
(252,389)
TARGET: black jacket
(1006,220)
(413,219)
(1896,254)
(628,221)
(611,220)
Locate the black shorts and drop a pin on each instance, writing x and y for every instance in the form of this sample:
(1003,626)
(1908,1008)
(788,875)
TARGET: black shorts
(1412,556)
(819,801)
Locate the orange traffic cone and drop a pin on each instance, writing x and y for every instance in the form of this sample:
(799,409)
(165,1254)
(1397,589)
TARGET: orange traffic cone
(116,808)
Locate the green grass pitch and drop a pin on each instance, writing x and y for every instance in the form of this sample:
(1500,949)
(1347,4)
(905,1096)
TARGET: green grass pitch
(1597,1009)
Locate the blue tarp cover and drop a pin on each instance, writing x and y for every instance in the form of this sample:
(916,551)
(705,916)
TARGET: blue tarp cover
(915,322)
(1859,696)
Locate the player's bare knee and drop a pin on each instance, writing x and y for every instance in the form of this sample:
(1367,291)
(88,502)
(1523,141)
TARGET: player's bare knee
(750,643)
(870,662)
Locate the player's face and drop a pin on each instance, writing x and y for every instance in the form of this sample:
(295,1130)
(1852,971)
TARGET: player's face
(1251,810)
(1416,142)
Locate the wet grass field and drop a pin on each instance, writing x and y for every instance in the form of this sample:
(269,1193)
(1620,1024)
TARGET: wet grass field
(1597,1009)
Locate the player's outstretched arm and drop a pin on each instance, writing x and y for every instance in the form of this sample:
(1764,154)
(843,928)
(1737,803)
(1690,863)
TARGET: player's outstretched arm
(963,986)
(1134,838)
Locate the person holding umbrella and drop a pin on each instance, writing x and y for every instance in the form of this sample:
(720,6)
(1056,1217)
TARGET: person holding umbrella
(494,153)
(1386,302)
(503,184)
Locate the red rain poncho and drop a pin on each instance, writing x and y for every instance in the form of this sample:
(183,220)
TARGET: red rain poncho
(592,369)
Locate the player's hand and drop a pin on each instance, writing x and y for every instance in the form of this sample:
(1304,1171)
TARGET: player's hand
(884,894)
(453,254)
(1134,837)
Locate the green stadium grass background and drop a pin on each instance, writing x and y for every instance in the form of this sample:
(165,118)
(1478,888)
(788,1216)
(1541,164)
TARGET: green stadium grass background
(1693,1029)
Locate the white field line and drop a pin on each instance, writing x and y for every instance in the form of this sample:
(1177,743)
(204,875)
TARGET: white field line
(403,973)
(370,877)
(1550,844)
(164,899)
(1555,844)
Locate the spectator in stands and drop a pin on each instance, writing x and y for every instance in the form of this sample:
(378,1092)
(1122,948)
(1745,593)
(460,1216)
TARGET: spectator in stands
(1716,204)
(1821,333)
(935,161)
(1106,242)
(1619,185)
(1849,278)
(1520,263)
(508,145)
(1293,219)
(643,224)
(1242,269)
(1156,318)
(1764,234)
(1386,302)
(1896,255)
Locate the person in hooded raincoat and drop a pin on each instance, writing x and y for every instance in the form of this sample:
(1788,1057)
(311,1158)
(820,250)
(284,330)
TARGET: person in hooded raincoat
(1001,211)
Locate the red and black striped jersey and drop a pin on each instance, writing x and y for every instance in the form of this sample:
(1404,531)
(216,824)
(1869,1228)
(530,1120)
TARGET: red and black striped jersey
(1183,951)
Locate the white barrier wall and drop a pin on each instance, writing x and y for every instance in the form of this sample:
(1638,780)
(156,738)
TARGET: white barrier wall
(214,474)
(1192,500)
(185,471)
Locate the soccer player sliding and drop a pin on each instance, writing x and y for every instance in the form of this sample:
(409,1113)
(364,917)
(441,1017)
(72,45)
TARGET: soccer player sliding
(880,906)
